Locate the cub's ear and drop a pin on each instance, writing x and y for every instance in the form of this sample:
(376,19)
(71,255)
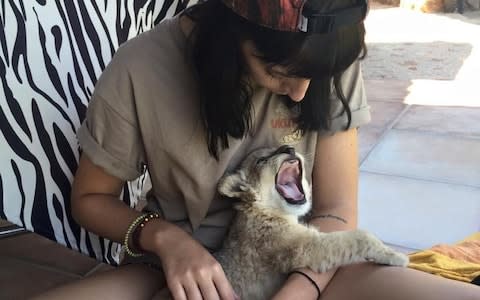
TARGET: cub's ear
(234,185)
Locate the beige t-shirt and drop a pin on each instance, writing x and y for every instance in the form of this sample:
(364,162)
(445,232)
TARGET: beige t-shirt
(145,111)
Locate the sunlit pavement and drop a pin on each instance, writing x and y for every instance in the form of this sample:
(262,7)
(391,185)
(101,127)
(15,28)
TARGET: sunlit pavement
(420,155)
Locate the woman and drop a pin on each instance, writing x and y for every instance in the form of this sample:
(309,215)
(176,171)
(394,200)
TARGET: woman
(188,100)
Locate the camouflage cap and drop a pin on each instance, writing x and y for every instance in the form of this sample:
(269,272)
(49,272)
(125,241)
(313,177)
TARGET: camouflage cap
(312,16)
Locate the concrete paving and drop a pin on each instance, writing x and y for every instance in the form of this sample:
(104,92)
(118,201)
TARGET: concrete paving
(420,155)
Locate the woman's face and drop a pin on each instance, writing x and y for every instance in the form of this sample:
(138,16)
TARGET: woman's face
(274,79)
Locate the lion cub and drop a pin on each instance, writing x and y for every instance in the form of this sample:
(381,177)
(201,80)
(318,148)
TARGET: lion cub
(266,240)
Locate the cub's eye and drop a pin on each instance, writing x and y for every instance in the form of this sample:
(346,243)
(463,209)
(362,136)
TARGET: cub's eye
(261,161)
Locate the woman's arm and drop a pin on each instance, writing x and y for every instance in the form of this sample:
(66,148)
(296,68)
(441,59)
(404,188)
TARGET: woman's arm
(96,206)
(189,268)
(95,202)
(335,187)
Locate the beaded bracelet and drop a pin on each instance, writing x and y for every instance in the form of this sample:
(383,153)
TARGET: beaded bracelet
(309,279)
(134,230)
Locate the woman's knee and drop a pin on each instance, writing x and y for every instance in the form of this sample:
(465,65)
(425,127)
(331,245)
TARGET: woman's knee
(370,281)
(137,280)
(162,294)
(125,282)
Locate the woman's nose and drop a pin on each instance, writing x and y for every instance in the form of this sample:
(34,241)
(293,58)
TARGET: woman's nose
(298,88)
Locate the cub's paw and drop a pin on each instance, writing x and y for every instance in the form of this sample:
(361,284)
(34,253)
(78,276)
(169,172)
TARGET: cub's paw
(392,258)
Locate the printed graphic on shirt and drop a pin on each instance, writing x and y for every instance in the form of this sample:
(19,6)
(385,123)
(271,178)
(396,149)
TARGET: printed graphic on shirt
(283,124)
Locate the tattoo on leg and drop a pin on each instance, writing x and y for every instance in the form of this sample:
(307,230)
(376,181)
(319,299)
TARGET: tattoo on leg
(329,216)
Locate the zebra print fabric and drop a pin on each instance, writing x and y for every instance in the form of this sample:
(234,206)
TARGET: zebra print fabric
(51,54)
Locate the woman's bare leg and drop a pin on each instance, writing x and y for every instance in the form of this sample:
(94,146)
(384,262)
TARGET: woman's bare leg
(128,282)
(373,282)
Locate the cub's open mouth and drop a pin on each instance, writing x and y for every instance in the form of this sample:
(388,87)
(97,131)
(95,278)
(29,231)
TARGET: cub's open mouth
(289,181)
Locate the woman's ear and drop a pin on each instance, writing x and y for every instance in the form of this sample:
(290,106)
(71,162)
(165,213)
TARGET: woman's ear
(234,185)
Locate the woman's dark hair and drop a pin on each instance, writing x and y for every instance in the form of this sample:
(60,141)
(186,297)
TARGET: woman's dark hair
(225,94)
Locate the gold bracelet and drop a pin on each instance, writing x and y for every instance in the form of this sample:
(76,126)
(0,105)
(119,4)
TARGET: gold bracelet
(132,230)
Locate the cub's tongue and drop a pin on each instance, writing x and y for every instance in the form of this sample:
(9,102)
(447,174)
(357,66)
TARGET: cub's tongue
(288,181)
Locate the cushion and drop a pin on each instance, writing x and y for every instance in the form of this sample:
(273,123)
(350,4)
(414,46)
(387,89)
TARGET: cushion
(51,54)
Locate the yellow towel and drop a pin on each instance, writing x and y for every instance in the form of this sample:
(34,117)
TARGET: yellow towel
(459,262)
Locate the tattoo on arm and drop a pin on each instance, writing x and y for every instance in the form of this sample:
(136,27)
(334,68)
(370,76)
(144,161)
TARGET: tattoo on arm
(329,216)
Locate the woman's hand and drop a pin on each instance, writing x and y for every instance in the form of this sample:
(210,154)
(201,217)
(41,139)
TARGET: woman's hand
(190,270)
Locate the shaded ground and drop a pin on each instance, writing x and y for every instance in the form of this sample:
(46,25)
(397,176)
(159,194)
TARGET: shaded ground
(420,155)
